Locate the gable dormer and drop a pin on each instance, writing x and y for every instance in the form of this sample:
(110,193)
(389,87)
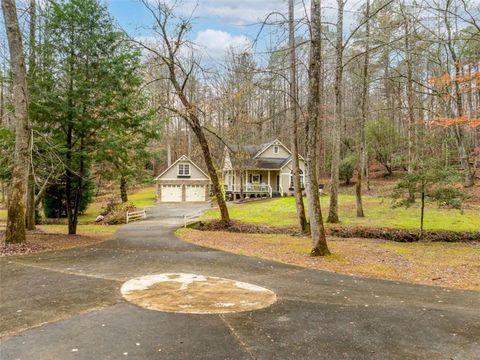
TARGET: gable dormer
(275,149)
(183,168)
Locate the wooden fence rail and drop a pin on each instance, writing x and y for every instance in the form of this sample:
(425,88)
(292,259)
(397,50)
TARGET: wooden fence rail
(136,215)
(192,217)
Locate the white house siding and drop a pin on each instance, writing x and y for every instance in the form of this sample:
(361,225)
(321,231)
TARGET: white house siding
(285,177)
(172,187)
(268,153)
(172,173)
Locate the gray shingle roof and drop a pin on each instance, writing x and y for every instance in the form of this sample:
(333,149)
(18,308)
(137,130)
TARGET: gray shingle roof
(242,157)
(270,163)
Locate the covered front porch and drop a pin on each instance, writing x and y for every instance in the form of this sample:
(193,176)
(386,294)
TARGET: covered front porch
(252,183)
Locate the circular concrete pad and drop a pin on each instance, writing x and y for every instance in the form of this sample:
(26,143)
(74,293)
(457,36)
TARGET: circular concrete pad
(195,294)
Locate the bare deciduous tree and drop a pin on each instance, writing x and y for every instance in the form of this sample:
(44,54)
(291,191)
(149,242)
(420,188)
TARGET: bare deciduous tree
(172,32)
(336,135)
(317,230)
(293,96)
(15,232)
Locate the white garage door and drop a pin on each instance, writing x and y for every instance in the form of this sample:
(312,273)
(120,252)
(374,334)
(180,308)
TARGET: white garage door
(195,192)
(171,193)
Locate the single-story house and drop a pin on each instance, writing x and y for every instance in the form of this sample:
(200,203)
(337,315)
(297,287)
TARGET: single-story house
(183,181)
(259,170)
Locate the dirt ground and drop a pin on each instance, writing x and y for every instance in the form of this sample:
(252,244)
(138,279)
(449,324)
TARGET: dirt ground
(440,264)
(44,240)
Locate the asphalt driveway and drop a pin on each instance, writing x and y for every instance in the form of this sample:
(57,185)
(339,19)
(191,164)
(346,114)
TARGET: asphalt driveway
(67,305)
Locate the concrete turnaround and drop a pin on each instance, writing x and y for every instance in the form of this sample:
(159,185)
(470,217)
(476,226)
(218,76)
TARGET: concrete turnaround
(68,305)
(195,294)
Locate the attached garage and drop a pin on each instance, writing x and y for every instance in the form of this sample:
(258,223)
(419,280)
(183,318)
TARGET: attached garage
(172,193)
(183,181)
(194,193)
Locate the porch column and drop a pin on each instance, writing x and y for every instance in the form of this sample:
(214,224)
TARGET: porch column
(269,185)
(246,179)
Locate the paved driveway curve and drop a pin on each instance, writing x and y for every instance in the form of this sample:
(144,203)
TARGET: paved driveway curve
(67,305)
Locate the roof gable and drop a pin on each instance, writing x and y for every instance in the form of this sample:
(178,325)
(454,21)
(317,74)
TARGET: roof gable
(184,158)
(275,142)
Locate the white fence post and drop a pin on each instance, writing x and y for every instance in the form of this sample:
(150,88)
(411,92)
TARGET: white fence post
(136,215)
(189,218)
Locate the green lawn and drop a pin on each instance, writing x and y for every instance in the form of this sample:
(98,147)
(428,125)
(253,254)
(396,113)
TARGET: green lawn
(141,199)
(378,211)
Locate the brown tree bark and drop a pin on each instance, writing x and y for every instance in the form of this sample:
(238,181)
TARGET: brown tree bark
(317,230)
(30,211)
(293,112)
(458,131)
(362,153)
(30,216)
(15,231)
(410,95)
(123,189)
(335,169)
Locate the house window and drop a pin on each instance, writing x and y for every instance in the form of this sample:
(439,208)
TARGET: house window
(302,180)
(276,150)
(255,179)
(183,169)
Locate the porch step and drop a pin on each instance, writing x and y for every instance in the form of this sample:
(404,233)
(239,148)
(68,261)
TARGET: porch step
(276,194)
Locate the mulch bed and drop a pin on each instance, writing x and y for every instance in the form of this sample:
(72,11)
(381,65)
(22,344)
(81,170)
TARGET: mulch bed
(38,241)
(20,249)
(442,264)
(239,227)
(398,235)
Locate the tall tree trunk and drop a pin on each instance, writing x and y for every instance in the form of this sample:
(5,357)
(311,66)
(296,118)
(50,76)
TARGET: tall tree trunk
(293,111)
(317,230)
(69,177)
(410,95)
(337,123)
(123,189)
(30,213)
(422,213)
(2,94)
(212,171)
(190,115)
(361,164)
(2,189)
(15,231)
(459,133)
(30,217)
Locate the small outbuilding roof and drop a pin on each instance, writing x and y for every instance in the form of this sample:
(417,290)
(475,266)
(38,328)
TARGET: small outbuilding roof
(182,158)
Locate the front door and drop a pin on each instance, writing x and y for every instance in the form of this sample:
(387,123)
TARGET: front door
(278,183)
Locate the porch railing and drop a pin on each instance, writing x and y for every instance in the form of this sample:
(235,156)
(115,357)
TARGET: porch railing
(250,188)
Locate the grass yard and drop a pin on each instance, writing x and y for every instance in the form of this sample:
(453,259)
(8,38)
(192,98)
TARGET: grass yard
(144,197)
(141,199)
(378,211)
(453,265)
